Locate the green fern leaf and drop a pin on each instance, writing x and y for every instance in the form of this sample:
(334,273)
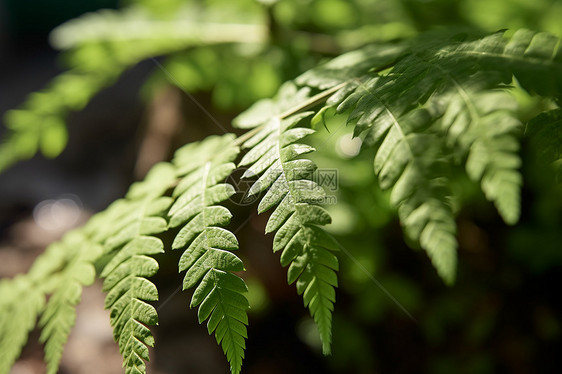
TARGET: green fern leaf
(452,77)
(127,229)
(399,113)
(479,123)
(485,129)
(60,313)
(220,299)
(128,291)
(411,161)
(21,301)
(297,218)
(61,271)
(534,58)
(207,258)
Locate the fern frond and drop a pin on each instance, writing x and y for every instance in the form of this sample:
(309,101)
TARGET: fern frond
(482,121)
(128,291)
(127,230)
(136,28)
(21,301)
(410,160)
(61,271)
(272,155)
(534,58)
(485,130)
(207,258)
(447,88)
(60,313)
(477,118)
(425,106)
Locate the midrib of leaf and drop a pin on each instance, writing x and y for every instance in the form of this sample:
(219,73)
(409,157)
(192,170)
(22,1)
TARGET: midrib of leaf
(313,100)
(127,294)
(206,171)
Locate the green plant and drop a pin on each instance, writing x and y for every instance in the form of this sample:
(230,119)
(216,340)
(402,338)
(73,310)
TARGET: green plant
(432,107)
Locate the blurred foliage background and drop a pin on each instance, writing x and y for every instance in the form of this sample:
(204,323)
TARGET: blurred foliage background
(142,77)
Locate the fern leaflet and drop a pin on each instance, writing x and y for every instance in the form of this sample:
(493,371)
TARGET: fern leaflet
(534,58)
(61,270)
(60,313)
(411,161)
(131,243)
(273,152)
(207,258)
(22,300)
(485,129)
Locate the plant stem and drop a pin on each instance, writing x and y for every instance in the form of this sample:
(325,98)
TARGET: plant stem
(314,100)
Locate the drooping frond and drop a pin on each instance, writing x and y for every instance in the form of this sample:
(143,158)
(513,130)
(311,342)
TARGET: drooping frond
(128,237)
(298,219)
(60,313)
(534,58)
(445,81)
(60,271)
(21,301)
(438,105)
(485,130)
(482,122)
(126,229)
(479,122)
(207,245)
(128,291)
(411,161)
